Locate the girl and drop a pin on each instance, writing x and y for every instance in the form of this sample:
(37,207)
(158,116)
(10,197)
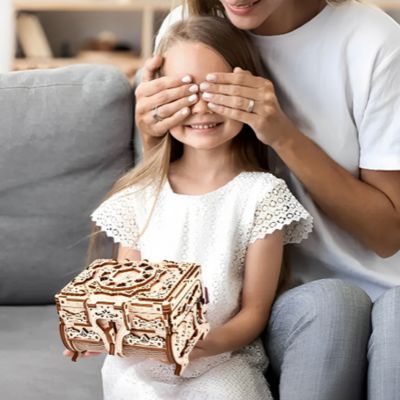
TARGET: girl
(330,117)
(202,195)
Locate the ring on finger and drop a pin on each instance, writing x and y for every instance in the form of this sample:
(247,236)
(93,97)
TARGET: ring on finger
(250,107)
(155,115)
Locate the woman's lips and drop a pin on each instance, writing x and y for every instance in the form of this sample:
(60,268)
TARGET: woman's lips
(241,9)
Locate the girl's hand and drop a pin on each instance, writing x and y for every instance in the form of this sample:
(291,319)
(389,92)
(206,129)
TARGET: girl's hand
(209,346)
(162,103)
(249,99)
(69,353)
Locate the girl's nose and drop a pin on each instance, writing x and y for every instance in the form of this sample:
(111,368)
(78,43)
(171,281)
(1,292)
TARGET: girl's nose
(200,107)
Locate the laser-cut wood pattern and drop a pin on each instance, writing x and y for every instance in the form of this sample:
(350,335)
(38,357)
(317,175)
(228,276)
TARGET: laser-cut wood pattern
(137,308)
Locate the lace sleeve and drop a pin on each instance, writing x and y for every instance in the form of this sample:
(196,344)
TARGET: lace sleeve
(116,217)
(279,209)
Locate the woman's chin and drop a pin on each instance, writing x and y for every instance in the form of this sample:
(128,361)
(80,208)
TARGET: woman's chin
(245,23)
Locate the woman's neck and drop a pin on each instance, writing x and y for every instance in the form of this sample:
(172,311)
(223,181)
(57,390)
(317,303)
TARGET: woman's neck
(289,16)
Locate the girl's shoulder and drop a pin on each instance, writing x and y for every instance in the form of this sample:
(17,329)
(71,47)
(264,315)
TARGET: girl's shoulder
(275,208)
(133,192)
(261,182)
(130,198)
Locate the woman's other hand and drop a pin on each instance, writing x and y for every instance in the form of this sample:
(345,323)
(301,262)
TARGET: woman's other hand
(250,99)
(161,103)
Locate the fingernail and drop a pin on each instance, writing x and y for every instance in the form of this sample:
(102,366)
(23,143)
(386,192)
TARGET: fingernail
(185,111)
(204,86)
(211,105)
(207,95)
(211,77)
(194,89)
(187,79)
(192,98)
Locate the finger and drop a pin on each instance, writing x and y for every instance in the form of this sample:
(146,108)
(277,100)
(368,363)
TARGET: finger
(186,94)
(193,354)
(240,103)
(240,70)
(160,128)
(169,109)
(242,79)
(91,353)
(231,113)
(155,86)
(231,90)
(150,67)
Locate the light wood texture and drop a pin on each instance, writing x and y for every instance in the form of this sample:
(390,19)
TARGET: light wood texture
(134,308)
(127,64)
(32,37)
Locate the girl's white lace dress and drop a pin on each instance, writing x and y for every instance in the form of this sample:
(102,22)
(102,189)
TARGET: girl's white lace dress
(213,230)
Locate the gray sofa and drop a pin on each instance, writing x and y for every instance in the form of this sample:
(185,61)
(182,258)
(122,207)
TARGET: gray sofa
(65,137)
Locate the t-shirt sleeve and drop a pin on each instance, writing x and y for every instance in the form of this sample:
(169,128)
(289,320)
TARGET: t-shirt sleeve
(116,217)
(278,209)
(379,129)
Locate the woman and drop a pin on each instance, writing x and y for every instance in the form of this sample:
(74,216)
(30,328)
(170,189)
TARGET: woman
(329,112)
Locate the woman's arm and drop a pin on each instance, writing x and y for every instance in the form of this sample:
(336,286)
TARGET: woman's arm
(261,275)
(368,207)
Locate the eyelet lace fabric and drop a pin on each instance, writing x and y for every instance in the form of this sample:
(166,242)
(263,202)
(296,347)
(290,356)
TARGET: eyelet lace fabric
(215,231)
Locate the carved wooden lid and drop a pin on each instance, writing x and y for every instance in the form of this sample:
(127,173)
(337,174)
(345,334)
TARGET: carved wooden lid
(137,280)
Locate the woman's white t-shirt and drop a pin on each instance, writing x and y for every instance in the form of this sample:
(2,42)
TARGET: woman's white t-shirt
(337,78)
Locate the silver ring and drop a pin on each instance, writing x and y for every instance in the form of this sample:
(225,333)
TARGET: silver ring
(155,115)
(250,107)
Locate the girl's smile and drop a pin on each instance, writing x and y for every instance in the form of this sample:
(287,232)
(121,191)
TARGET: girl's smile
(203,127)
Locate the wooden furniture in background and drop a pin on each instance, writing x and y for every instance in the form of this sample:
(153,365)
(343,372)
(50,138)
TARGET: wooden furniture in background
(128,63)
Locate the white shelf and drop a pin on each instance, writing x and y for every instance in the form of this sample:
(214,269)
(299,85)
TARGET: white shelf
(91,5)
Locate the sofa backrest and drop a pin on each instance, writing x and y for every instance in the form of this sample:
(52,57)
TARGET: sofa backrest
(65,137)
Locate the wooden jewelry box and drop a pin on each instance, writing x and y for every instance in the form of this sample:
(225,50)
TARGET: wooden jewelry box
(139,308)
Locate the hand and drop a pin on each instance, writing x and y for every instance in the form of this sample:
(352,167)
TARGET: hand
(249,99)
(162,103)
(209,346)
(69,353)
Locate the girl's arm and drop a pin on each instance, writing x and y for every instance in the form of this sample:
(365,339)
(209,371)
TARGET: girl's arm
(261,275)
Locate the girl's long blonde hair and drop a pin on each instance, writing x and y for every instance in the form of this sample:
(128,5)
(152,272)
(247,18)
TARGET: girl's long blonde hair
(249,154)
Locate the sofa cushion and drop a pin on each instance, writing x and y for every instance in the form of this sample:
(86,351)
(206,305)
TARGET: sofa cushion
(32,365)
(65,137)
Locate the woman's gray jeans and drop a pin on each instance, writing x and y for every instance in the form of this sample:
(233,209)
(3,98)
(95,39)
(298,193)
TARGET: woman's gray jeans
(326,340)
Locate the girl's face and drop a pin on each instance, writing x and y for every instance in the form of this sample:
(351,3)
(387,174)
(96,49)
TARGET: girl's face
(203,129)
(250,14)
